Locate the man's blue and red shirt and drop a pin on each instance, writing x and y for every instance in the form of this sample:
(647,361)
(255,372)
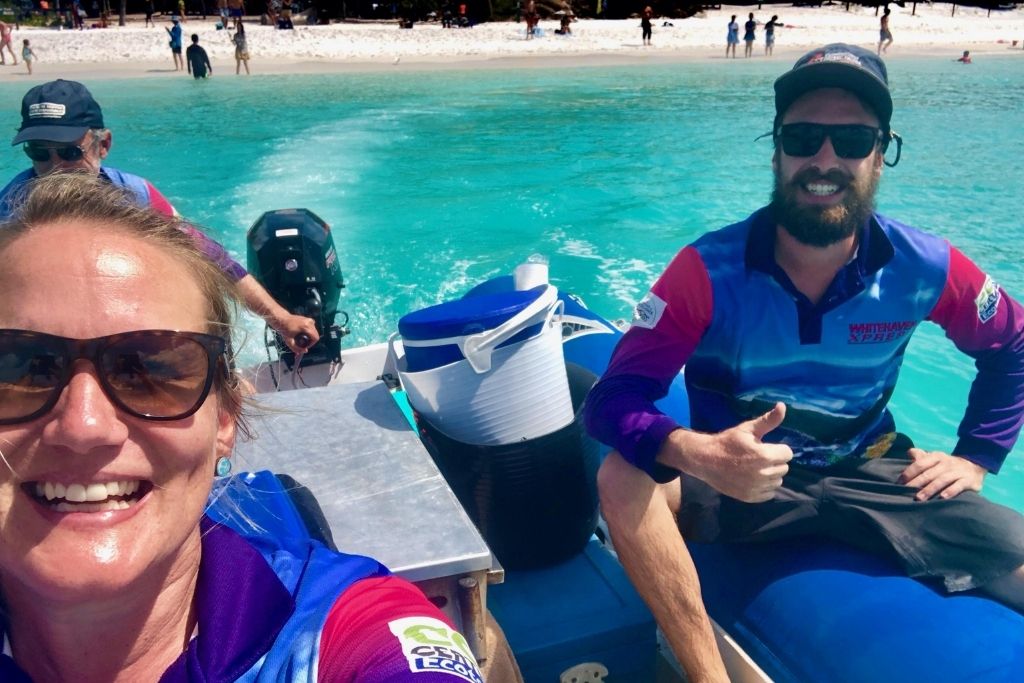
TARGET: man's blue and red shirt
(749,338)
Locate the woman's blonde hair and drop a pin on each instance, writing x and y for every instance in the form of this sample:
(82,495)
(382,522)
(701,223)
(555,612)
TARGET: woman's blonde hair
(65,197)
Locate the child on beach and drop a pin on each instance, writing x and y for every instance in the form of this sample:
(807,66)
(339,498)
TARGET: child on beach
(27,55)
(645,24)
(241,50)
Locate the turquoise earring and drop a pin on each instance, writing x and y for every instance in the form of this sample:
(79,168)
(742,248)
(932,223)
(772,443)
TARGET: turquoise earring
(223,466)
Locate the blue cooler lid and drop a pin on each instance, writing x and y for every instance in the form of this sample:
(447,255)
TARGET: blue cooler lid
(502,283)
(462,317)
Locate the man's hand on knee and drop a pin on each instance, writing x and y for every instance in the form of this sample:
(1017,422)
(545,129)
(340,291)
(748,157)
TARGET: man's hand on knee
(941,474)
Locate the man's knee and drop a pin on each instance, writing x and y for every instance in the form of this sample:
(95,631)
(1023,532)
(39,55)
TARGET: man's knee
(622,486)
(618,482)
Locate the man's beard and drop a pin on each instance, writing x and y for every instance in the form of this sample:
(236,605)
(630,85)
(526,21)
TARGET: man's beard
(821,226)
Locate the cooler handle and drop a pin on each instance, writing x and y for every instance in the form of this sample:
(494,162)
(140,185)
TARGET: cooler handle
(391,360)
(477,348)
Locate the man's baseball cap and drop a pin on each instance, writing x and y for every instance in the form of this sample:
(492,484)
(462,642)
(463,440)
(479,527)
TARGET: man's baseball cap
(59,111)
(838,65)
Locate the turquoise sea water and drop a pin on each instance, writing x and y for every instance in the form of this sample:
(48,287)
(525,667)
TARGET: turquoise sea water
(434,181)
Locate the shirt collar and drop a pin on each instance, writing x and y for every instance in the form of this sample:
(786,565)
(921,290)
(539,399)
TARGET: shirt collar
(242,607)
(874,249)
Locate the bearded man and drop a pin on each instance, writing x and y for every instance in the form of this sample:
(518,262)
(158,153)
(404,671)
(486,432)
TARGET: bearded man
(792,325)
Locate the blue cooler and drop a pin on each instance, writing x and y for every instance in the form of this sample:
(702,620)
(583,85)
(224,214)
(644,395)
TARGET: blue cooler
(453,320)
(488,370)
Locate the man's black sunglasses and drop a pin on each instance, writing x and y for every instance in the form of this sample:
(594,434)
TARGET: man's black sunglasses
(849,140)
(42,152)
(150,374)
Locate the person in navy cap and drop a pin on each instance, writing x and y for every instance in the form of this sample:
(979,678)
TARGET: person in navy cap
(175,43)
(792,325)
(62,130)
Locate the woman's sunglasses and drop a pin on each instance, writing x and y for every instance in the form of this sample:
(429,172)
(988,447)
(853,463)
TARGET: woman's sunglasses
(151,374)
(850,141)
(41,153)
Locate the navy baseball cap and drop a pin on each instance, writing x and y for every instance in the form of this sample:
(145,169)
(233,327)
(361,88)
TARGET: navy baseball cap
(838,65)
(58,111)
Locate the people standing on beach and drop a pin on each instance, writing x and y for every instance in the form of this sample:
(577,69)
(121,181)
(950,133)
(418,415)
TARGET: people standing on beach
(236,8)
(564,25)
(791,436)
(645,24)
(748,35)
(732,38)
(884,34)
(62,131)
(27,55)
(286,15)
(241,50)
(149,14)
(966,58)
(769,35)
(531,17)
(175,43)
(5,42)
(198,61)
(181,10)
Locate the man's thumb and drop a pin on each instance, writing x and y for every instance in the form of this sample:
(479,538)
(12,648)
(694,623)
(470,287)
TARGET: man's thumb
(769,421)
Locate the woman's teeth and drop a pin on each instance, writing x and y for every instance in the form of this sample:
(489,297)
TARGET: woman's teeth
(112,495)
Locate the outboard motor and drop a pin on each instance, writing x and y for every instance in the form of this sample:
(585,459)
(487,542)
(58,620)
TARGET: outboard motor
(291,253)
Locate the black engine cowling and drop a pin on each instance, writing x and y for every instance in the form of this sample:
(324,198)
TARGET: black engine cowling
(291,253)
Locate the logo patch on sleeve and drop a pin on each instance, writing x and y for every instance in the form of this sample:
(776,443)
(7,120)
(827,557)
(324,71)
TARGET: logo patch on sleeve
(430,645)
(987,300)
(648,312)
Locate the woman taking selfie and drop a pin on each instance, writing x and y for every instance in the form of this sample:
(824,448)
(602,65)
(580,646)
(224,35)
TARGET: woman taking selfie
(118,405)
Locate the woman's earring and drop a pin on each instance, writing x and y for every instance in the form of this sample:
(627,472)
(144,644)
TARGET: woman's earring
(223,466)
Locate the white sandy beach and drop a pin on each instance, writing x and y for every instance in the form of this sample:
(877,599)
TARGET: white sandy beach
(136,51)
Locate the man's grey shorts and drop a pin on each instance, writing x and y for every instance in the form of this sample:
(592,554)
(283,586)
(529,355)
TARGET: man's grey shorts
(966,541)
